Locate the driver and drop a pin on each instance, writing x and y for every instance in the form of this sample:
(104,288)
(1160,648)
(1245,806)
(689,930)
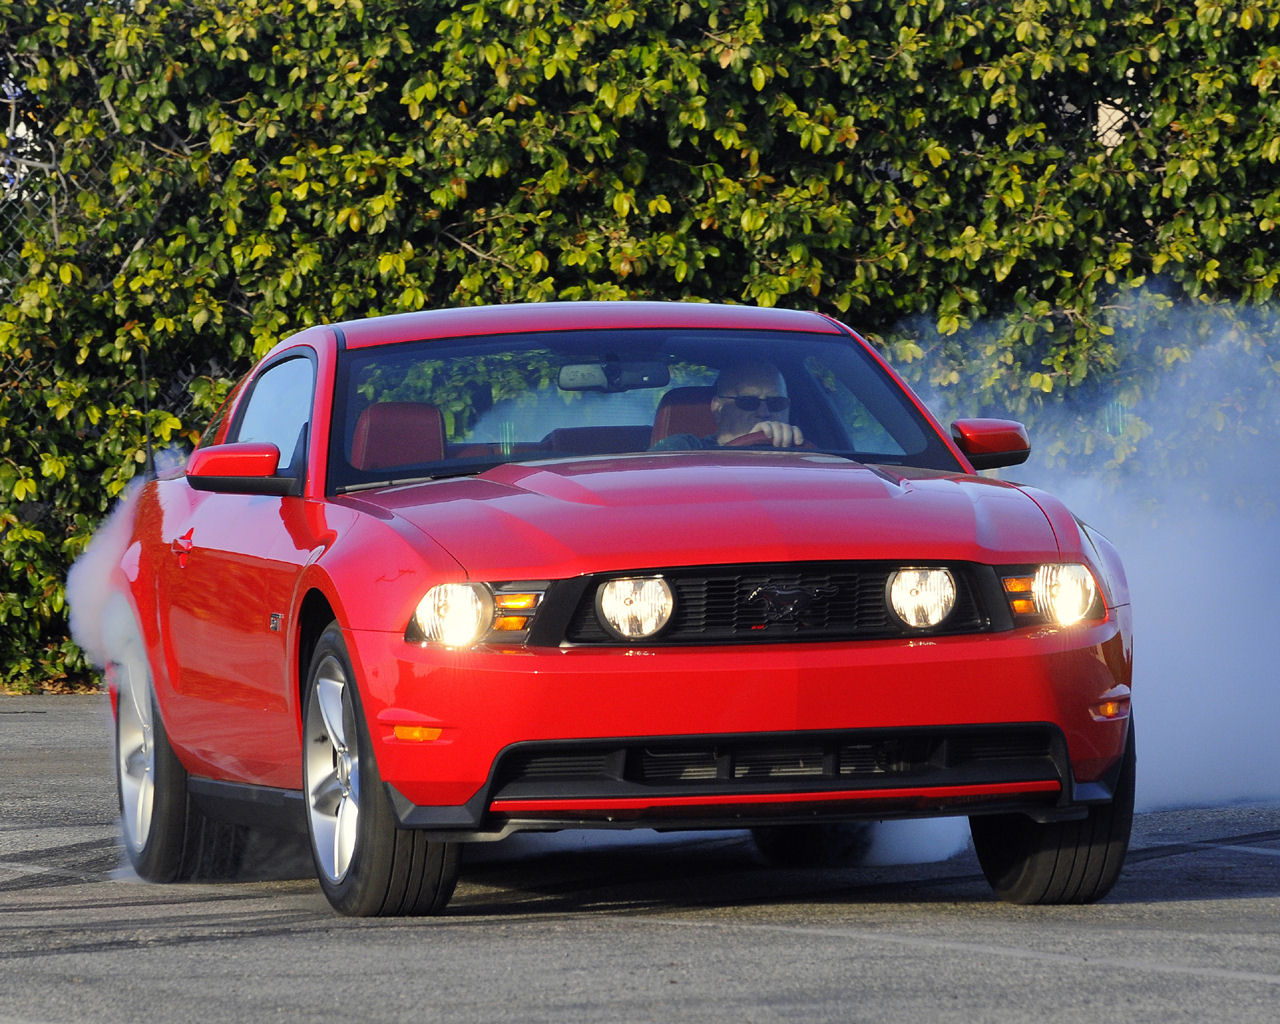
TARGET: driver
(750,398)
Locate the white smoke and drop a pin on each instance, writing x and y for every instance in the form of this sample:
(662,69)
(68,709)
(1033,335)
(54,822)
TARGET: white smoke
(916,841)
(1206,694)
(89,579)
(1193,512)
(92,576)
(1202,552)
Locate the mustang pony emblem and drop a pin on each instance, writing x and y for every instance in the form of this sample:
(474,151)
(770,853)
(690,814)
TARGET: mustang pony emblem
(788,604)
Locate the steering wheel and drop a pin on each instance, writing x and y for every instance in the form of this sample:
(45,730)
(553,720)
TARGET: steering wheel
(759,439)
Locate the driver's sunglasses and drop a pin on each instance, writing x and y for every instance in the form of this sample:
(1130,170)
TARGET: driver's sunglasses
(750,403)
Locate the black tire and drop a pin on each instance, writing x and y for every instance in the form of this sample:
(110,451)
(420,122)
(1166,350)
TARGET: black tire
(1060,861)
(166,837)
(368,866)
(817,845)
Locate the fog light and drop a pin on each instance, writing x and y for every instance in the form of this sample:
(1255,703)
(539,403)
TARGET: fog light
(922,598)
(635,608)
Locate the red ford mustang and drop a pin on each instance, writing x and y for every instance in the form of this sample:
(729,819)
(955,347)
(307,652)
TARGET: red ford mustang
(434,578)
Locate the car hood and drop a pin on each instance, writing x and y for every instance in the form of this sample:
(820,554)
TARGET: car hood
(556,519)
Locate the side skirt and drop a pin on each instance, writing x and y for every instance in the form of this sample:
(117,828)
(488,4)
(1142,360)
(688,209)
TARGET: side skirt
(280,810)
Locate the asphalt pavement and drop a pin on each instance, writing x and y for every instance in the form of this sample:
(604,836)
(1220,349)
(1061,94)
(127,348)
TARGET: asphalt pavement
(649,928)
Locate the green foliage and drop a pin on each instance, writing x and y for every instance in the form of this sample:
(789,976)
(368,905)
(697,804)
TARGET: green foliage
(999,194)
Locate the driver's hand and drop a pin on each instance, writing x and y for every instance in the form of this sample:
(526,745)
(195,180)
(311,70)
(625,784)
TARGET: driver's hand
(780,435)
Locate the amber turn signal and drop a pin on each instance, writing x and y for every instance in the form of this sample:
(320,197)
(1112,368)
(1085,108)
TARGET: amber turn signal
(416,733)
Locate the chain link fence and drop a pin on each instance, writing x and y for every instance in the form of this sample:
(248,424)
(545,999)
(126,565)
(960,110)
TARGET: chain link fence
(35,195)
(34,192)
(28,178)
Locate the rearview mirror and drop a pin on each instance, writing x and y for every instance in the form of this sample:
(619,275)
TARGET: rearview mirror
(613,376)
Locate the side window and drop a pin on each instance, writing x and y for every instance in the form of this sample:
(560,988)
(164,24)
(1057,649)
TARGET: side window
(278,409)
(216,431)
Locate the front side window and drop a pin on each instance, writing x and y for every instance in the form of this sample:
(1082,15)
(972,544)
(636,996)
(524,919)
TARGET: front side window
(278,410)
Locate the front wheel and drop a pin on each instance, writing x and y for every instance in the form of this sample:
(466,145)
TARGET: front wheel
(367,864)
(1059,861)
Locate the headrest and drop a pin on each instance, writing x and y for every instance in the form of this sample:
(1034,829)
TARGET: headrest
(685,410)
(397,434)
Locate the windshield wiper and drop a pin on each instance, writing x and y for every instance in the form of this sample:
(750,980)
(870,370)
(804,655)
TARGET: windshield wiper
(405,481)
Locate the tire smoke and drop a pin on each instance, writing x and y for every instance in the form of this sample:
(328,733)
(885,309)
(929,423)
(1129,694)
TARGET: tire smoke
(1193,513)
(89,579)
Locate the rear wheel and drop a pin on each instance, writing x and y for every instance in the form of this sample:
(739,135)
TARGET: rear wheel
(166,837)
(367,864)
(1059,861)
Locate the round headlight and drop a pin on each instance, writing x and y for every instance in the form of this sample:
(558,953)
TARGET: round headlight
(1064,593)
(633,609)
(455,614)
(922,598)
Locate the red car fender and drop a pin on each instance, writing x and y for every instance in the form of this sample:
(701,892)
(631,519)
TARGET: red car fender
(1078,542)
(411,564)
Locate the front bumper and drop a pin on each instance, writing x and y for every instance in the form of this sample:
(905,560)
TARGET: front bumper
(535,738)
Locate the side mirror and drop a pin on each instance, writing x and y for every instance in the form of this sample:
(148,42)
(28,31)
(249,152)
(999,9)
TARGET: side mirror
(990,444)
(248,467)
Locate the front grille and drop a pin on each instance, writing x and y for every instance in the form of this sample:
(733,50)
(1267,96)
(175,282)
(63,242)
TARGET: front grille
(781,763)
(772,603)
(838,760)
(894,756)
(555,766)
(679,766)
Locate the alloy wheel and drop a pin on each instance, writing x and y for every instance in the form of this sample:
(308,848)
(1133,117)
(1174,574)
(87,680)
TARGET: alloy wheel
(135,752)
(332,767)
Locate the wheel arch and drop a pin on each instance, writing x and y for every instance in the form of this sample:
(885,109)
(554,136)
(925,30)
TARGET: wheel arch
(314,615)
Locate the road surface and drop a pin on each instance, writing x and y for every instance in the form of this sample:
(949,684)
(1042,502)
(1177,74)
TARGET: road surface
(589,929)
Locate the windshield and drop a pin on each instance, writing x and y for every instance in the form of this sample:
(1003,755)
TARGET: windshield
(448,407)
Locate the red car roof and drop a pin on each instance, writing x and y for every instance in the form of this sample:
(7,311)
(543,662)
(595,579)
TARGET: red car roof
(569,316)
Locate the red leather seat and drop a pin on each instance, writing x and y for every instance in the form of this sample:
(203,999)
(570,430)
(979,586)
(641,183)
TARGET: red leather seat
(684,410)
(397,434)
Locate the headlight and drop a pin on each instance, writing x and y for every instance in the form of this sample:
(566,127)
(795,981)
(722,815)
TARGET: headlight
(635,608)
(922,598)
(455,614)
(462,614)
(1063,594)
